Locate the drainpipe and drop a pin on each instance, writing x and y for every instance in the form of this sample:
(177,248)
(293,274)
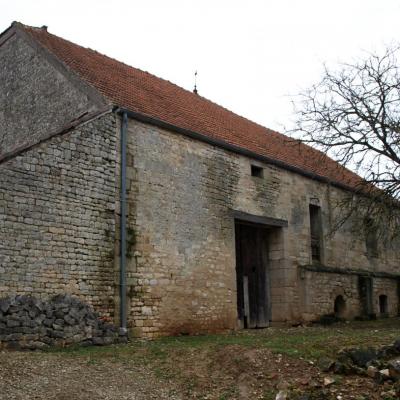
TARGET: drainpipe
(122,267)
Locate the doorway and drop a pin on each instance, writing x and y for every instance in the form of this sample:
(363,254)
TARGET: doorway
(252,275)
(339,307)
(383,305)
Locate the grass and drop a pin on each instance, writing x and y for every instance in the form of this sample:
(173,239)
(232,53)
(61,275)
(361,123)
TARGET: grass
(303,342)
(202,366)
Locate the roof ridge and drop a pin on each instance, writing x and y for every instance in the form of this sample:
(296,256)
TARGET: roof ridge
(147,94)
(108,57)
(197,96)
(90,90)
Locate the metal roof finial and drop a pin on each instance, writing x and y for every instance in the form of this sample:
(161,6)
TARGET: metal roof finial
(195,83)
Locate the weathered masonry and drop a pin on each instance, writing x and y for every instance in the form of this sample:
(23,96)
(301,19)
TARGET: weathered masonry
(164,211)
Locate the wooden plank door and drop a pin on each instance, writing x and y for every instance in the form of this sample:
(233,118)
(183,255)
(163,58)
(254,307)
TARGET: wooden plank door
(252,277)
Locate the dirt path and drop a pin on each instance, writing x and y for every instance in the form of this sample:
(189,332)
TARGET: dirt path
(240,366)
(228,373)
(49,376)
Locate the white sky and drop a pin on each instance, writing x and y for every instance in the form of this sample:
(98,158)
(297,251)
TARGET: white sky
(250,56)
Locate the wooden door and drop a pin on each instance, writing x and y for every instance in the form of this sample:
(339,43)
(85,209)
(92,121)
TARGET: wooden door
(252,276)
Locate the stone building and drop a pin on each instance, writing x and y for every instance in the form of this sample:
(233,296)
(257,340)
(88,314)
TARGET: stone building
(164,210)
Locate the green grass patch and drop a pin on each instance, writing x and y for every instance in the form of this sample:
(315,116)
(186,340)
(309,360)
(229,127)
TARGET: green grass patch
(302,342)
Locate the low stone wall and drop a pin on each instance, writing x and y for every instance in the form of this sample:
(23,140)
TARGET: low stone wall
(29,323)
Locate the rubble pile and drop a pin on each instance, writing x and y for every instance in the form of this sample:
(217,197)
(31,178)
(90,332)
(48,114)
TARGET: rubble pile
(27,322)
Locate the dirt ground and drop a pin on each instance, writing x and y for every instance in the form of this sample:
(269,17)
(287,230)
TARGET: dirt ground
(244,365)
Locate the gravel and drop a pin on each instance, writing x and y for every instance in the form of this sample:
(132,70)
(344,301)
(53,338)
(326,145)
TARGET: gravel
(27,375)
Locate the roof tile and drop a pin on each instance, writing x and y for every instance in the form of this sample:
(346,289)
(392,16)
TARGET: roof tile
(142,92)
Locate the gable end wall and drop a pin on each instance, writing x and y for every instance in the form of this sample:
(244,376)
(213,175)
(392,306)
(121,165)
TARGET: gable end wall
(36,99)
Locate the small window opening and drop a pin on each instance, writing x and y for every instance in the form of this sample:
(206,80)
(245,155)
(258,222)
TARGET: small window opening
(315,232)
(371,237)
(383,304)
(339,307)
(257,171)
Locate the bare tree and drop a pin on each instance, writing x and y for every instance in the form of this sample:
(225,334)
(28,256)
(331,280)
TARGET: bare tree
(353,115)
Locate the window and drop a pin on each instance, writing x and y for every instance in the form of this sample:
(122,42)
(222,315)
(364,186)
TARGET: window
(371,238)
(315,233)
(257,171)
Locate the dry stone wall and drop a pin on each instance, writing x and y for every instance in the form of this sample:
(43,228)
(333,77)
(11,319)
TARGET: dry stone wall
(57,217)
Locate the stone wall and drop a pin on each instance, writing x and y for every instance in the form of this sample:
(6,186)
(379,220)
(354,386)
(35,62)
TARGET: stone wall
(59,214)
(389,288)
(57,217)
(36,98)
(177,287)
(182,275)
(319,291)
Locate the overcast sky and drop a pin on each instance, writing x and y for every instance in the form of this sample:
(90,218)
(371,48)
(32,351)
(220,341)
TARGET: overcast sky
(250,56)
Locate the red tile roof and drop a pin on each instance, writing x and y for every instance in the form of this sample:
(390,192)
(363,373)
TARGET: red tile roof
(141,92)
